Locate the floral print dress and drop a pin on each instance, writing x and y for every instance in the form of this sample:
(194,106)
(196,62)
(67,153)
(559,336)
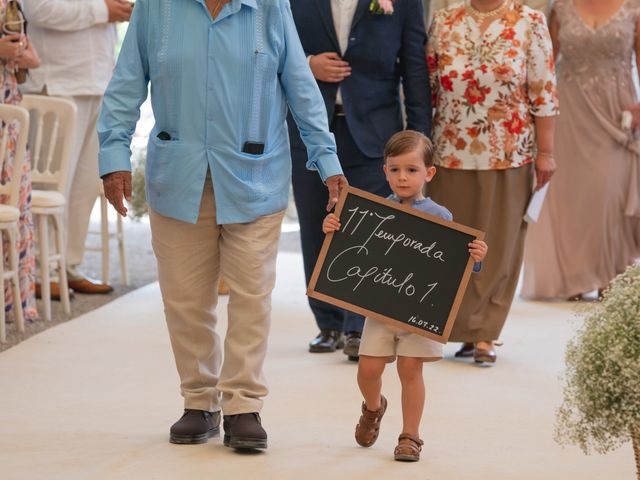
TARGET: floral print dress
(487,86)
(26,243)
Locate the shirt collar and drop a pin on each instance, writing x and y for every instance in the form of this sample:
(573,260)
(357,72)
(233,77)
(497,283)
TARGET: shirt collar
(250,3)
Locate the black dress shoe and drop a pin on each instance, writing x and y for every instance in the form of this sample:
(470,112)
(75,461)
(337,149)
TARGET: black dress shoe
(465,351)
(327,341)
(195,426)
(352,345)
(244,432)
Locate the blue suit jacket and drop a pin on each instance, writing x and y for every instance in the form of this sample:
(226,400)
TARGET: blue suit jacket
(383,50)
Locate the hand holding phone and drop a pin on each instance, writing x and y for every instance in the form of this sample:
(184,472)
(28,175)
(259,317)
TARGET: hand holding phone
(12,46)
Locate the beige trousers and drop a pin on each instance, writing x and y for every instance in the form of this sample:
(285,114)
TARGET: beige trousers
(190,260)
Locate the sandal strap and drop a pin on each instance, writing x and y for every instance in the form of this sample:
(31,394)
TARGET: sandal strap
(375,414)
(406,436)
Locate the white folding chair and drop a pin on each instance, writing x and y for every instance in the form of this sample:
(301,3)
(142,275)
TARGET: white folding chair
(12,117)
(51,138)
(105,236)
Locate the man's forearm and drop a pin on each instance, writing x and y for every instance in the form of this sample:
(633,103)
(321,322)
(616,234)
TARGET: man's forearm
(63,15)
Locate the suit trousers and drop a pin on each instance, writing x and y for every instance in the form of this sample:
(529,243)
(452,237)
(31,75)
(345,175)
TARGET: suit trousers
(190,258)
(310,196)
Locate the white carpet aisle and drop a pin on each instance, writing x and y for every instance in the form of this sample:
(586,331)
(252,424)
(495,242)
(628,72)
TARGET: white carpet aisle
(94,398)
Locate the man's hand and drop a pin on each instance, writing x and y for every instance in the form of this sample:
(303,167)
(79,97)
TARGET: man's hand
(119,11)
(329,67)
(117,185)
(335,184)
(545,168)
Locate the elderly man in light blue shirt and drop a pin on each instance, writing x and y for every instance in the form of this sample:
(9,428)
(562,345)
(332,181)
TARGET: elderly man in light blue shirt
(222,75)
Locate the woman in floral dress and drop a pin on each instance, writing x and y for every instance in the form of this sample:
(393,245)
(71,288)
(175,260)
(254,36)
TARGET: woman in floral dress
(589,226)
(16,52)
(493,81)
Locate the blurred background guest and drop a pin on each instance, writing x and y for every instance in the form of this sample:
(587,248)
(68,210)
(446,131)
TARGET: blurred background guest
(76,40)
(493,81)
(589,227)
(17,53)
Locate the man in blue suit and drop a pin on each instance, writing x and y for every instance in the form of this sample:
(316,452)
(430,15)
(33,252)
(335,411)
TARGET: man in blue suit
(359,58)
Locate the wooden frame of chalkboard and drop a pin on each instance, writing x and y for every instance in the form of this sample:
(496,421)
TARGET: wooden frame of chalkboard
(395,264)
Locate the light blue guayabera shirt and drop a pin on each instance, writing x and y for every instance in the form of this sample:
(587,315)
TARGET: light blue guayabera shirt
(215,84)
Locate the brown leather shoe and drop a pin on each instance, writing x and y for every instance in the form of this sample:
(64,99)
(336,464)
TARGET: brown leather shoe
(90,286)
(368,426)
(484,355)
(408,449)
(54,291)
(465,351)
(327,341)
(195,426)
(244,432)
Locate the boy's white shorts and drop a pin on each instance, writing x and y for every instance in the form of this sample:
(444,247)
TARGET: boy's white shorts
(380,339)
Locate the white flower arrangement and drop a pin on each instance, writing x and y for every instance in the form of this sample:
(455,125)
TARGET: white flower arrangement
(601,407)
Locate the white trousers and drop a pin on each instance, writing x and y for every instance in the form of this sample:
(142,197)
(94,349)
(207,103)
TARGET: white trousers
(83,183)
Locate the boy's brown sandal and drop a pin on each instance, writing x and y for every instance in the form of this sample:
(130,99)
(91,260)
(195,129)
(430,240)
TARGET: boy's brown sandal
(368,426)
(408,449)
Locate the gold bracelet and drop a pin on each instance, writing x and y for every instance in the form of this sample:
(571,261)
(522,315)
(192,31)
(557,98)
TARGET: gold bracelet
(545,154)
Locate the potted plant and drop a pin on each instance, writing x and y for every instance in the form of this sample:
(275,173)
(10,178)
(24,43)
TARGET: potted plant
(601,407)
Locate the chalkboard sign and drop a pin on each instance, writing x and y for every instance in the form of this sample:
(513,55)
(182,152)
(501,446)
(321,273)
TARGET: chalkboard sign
(394,263)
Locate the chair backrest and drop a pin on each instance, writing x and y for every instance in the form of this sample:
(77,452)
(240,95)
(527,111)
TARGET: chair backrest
(51,137)
(13,121)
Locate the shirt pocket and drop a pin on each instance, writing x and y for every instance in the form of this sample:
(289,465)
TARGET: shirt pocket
(164,158)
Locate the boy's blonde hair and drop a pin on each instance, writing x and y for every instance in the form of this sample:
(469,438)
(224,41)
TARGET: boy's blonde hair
(410,141)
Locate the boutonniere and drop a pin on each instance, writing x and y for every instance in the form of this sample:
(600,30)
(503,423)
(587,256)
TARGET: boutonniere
(381,7)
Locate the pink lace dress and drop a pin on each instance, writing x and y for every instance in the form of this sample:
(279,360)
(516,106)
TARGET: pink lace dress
(589,227)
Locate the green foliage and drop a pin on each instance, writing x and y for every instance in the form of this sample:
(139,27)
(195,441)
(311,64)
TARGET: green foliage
(138,204)
(601,407)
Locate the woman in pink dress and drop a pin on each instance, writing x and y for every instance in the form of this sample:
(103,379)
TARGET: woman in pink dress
(589,226)
(17,53)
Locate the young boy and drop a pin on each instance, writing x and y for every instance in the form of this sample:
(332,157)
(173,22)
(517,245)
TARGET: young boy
(408,166)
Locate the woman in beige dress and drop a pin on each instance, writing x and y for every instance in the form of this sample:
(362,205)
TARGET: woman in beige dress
(493,80)
(589,227)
